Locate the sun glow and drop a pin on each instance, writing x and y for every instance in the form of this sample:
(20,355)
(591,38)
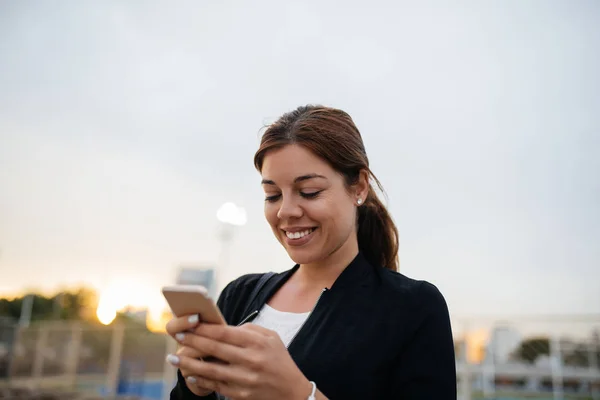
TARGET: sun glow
(128,294)
(105,312)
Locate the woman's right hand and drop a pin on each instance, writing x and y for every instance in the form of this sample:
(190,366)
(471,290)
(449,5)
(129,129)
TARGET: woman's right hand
(180,325)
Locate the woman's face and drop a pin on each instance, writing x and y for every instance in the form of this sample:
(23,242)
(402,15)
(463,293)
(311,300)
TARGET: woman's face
(307,204)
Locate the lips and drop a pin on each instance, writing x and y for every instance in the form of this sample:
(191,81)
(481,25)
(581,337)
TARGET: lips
(299,234)
(297,237)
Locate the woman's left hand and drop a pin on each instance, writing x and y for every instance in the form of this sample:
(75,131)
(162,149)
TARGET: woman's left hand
(255,363)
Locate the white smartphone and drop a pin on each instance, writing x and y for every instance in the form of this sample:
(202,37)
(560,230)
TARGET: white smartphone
(192,299)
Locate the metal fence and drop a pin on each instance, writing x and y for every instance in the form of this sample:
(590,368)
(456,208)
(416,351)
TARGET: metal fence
(112,360)
(509,359)
(528,357)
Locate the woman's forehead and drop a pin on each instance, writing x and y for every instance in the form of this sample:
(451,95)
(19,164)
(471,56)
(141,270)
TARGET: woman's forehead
(296,163)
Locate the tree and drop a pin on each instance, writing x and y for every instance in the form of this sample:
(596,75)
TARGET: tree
(530,349)
(11,308)
(77,304)
(578,354)
(582,356)
(80,304)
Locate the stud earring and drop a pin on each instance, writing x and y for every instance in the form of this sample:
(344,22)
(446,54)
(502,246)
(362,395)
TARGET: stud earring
(359,202)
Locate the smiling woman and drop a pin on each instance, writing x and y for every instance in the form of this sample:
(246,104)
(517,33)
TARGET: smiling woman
(311,213)
(343,322)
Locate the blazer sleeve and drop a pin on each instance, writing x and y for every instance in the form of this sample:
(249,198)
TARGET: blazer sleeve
(426,368)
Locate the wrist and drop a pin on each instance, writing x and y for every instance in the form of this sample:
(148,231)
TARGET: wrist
(304,390)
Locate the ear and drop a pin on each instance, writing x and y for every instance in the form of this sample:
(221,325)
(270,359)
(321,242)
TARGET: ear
(361,188)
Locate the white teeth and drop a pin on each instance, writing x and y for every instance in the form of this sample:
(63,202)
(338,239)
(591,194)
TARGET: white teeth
(298,235)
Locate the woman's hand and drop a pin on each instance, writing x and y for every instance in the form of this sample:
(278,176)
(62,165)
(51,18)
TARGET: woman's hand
(175,327)
(255,363)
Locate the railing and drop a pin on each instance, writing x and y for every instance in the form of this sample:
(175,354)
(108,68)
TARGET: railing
(515,358)
(87,358)
(533,357)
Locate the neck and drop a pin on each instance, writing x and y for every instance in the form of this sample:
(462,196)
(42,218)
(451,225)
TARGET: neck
(325,271)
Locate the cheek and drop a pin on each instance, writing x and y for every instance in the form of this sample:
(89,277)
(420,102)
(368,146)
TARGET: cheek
(346,217)
(271,214)
(344,214)
(337,213)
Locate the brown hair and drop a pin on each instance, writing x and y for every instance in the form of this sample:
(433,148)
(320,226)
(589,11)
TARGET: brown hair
(331,134)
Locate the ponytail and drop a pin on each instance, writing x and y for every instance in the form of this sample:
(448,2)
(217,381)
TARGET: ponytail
(377,233)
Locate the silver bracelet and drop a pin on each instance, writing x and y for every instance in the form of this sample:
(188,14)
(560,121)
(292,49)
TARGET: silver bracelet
(314,391)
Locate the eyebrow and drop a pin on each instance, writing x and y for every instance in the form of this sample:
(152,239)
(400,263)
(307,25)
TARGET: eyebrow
(298,179)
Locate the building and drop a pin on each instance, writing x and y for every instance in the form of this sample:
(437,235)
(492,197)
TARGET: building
(199,276)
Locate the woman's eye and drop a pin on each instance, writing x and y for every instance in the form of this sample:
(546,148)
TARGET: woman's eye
(310,195)
(272,198)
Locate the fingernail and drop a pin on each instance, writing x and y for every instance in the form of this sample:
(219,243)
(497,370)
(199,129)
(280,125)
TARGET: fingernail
(192,379)
(173,359)
(193,319)
(180,336)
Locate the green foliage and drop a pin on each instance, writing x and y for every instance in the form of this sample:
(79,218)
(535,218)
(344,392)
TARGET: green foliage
(67,305)
(530,349)
(581,356)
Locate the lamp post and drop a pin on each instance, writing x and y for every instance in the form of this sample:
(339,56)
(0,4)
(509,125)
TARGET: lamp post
(231,216)
(26,309)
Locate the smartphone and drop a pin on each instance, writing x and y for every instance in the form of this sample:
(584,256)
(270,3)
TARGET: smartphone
(192,299)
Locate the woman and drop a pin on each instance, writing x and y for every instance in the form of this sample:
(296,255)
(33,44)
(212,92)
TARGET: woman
(342,323)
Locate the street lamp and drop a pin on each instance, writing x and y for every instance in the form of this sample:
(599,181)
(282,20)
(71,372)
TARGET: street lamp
(231,216)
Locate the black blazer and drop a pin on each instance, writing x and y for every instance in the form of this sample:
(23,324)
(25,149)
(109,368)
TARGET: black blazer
(375,334)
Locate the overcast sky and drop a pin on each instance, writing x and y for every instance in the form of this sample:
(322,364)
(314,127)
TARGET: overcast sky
(124,126)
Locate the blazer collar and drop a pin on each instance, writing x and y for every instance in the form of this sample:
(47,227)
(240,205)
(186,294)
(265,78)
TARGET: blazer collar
(356,274)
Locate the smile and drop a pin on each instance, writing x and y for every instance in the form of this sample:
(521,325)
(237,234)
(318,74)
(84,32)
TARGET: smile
(299,235)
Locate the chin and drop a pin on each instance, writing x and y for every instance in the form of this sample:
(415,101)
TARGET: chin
(304,256)
(307,253)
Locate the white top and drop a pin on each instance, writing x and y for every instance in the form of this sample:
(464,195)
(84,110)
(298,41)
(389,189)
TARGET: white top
(286,324)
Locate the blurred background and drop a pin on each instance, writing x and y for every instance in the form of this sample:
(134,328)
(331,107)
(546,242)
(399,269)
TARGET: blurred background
(127,131)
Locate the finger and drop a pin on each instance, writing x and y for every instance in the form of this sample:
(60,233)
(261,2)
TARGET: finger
(233,335)
(259,329)
(184,352)
(194,353)
(216,372)
(210,347)
(228,390)
(190,352)
(198,390)
(182,324)
(186,373)
(174,360)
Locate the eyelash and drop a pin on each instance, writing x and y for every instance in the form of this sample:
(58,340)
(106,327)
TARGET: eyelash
(313,195)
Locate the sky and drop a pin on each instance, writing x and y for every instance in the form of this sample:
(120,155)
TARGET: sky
(125,125)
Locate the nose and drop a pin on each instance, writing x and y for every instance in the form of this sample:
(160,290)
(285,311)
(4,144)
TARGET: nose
(289,209)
